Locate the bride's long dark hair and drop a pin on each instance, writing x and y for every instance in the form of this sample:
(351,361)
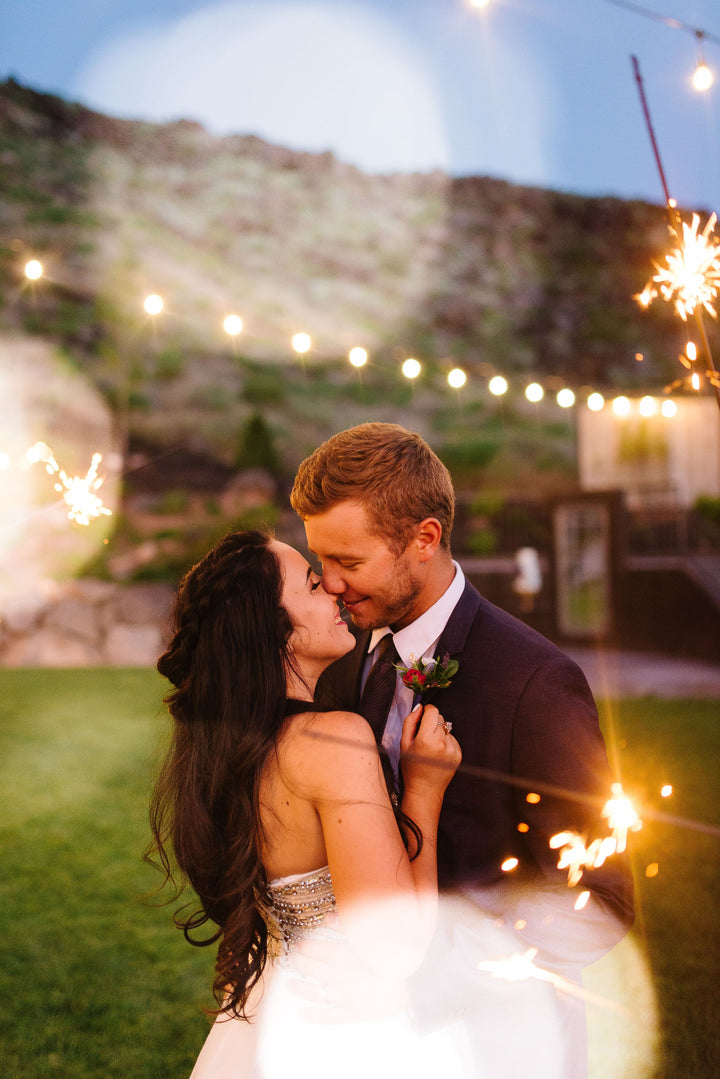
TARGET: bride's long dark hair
(227,661)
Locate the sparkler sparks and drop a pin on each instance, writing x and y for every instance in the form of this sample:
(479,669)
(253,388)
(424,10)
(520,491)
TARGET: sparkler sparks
(521,967)
(79,492)
(576,857)
(692,275)
(621,815)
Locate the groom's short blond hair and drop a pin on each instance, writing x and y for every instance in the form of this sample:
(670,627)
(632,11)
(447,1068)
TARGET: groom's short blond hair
(392,472)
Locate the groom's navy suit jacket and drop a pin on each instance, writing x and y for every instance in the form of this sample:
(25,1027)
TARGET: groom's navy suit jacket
(527,724)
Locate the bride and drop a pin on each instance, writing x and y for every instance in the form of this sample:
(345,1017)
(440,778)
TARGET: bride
(315,886)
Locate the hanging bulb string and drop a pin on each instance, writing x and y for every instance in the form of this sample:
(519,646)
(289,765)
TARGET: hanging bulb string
(666,20)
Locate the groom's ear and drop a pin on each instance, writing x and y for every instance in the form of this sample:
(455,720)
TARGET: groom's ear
(427,538)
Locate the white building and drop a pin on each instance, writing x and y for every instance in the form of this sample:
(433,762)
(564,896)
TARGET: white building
(660,452)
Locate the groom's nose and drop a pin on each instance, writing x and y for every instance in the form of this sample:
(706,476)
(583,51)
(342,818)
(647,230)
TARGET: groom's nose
(332,582)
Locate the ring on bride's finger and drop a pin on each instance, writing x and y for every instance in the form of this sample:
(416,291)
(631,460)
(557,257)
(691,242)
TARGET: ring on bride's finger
(446,726)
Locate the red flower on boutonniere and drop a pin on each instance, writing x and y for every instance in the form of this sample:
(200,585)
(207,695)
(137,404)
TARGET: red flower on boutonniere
(421,677)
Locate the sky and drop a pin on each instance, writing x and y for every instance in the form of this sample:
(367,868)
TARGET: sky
(538,92)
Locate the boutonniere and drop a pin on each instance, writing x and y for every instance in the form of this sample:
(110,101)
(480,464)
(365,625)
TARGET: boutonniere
(421,677)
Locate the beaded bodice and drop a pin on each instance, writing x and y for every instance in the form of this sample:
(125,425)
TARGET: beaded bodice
(294,907)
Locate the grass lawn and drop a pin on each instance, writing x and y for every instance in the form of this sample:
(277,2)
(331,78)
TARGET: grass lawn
(96,982)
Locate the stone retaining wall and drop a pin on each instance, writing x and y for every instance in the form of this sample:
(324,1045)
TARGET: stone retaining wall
(85,623)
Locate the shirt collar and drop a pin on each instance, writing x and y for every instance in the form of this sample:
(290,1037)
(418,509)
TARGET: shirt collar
(418,640)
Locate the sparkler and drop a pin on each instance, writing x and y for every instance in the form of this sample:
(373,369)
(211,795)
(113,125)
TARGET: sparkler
(79,492)
(576,857)
(691,277)
(522,967)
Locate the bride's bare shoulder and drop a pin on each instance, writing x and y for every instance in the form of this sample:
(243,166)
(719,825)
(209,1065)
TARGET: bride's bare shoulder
(317,741)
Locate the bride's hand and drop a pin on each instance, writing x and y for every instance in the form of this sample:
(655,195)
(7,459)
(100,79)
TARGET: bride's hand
(429,753)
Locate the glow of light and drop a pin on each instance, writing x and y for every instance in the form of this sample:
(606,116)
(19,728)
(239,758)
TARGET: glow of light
(621,406)
(582,900)
(358,356)
(652,870)
(509,864)
(153,304)
(691,351)
(33,270)
(646,297)
(666,791)
(498,385)
(301,343)
(79,492)
(621,815)
(595,402)
(647,406)
(532,798)
(534,392)
(575,856)
(457,378)
(692,274)
(703,77)
(522,827)
(669,408)
(233,325)
(4,462)
(565,398)
(411,368)
(639,357)
(479,3)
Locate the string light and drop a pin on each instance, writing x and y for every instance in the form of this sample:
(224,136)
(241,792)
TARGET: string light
(621,406)
(358,356)
(457,378)
(534,392)
(33,270)
(596,402)
(301,343)
(411,368)
(565,398)
(153,304)
(498,386)
(233,325)
(703,77)
(647,406)
(669,409)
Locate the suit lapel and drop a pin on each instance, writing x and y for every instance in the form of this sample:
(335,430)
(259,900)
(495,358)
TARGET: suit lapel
(453,637)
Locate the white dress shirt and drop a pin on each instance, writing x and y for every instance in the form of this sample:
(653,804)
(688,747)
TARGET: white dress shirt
(413,642)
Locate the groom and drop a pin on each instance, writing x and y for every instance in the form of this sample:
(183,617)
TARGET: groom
(378,509)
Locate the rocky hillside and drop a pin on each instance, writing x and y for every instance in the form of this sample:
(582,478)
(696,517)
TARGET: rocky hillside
(472,271)
(475,268)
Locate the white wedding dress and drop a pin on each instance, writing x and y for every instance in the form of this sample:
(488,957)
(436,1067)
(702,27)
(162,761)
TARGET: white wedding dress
(290,1039)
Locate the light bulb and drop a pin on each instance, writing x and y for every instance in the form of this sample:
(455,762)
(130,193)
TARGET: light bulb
(498,385)
(153,304)
(457,378)
(703,77)
(411,368)
(358,356)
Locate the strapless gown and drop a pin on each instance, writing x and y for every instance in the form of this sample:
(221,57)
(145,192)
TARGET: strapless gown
(288,1039)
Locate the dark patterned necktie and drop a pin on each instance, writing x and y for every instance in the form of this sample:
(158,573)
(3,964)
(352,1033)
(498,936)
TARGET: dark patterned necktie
(379,688)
